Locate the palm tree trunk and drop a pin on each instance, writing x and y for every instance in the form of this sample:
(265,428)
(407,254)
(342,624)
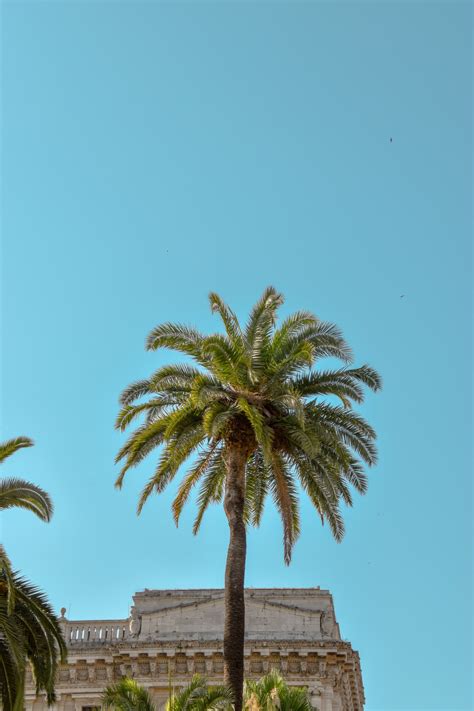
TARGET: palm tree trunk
(234,622)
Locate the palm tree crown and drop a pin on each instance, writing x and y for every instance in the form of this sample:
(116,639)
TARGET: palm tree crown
(254,388)
(272,693)
(127,695)
(199,696)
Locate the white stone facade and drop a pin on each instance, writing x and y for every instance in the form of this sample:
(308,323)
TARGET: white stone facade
(172,634)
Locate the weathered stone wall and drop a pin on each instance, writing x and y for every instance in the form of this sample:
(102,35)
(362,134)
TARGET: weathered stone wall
(172,634)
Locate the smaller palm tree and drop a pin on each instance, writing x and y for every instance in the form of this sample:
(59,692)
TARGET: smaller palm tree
(29,629)
(272,693)
(28,633)
(127,695)
(199,696)
(17,493)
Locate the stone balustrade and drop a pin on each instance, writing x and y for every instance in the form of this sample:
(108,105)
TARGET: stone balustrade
(94,632)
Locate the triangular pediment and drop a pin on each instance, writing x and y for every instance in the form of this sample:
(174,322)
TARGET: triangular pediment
(270,614)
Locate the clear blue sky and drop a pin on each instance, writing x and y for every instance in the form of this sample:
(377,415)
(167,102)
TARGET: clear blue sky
(154,152)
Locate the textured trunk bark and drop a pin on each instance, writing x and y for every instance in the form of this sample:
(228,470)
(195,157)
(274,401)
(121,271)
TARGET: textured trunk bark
(234,623)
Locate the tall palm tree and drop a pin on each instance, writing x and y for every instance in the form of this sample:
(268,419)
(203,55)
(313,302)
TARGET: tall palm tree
(29,630)
(272,693)
(261,420)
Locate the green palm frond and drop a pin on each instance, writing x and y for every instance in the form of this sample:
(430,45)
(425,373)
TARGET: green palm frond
(285,496)
(177,337)
(225,361)
(152,408)
(203,463)
(28,633)
(134,391)
(272,693)
(259,388)
(263,315)
(216,698)
(325,339)
(257,485)
(182,700)
(292,326)
(143,441)
(230,321)
(211,490)
(322,494)
(127,695)
(259,328)
(175,378)
(6,574)
(199,696)
(17,493)
(174,454)
(216,418)
(13,445)
(262,430)
(295,699)
(346,381)
(206,390)
(349,427)
(355,475)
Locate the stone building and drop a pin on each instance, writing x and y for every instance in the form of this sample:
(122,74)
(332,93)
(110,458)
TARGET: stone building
(172,634)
